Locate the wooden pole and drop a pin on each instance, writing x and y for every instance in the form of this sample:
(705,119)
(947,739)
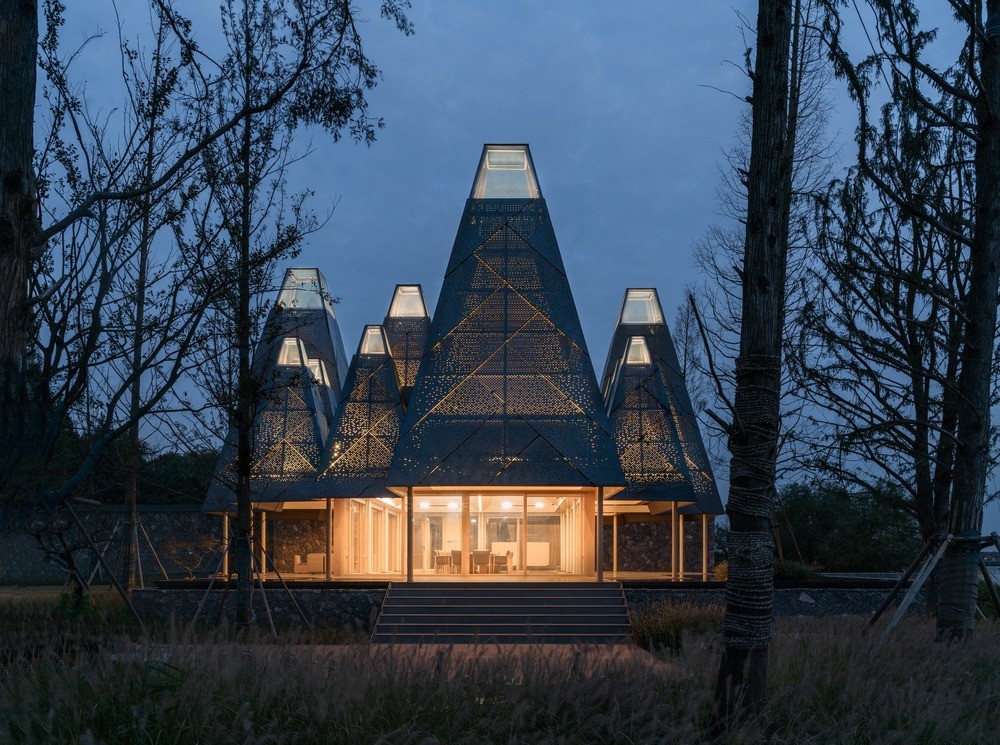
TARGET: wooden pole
(614,543)
(673,540)
(329,539)
(704,548)
(600,534)
(409,534)
(224,567)
(680,547)
(466,536)
(524,535)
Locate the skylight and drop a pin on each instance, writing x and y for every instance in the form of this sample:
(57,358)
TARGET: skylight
(373,342)
(506,172)
(407,302)
(301,290)
(637,352)
(291,353)
(641,306)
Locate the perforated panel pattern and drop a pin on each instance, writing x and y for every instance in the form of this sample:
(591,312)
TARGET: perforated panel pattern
(654,425)
(506,393)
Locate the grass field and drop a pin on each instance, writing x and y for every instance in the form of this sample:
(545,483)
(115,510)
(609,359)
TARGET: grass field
(82,678)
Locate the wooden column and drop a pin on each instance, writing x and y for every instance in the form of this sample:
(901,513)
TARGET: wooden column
(409,534)
(673,540)
(262,543)
(466,537)
(524,535)
(680,547)
(704,548)
(225,545)
(329,539)
(600,534)
(614,543)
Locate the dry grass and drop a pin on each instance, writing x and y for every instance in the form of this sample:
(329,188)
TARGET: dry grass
(825,687)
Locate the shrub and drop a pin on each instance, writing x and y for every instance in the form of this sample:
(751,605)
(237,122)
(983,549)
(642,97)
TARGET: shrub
(722,571)
(662,626)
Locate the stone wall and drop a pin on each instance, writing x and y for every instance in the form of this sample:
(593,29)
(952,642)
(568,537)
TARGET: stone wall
(354,609)
(180,534)
(787,601)
(357,608)
(288,538)
(645,546)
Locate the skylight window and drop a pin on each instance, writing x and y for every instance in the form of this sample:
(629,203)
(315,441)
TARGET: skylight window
(637,352)
(291,353)
(318,370)
(407,302)
(506,173)
(373,342)
(301,290)
(641,306)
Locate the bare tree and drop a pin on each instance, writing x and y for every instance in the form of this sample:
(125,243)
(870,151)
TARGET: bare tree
(753,435)
(965,97)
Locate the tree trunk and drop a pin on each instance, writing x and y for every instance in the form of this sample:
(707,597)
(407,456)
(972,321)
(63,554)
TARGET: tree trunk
(18,224)
(956,613)
(753,441)
(18,212)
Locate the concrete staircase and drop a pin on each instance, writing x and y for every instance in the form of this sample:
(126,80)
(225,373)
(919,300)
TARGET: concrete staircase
(503,613)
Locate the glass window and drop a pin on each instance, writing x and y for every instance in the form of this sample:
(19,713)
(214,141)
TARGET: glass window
(291,353)
(318,370)
(301,290)
(637,352)
(407,302)
(373,342)
(641,306)
(506,173)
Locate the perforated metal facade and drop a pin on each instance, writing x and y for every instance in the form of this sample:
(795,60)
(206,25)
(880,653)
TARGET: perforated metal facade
(300,363)
(652,419)
(407,337)
(365,431)
(506,394)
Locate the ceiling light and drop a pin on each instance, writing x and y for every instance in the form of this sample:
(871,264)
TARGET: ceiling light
(452,505)
(424,505)
(505,505)
(539,505)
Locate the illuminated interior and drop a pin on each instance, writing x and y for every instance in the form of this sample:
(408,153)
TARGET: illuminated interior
(506,172)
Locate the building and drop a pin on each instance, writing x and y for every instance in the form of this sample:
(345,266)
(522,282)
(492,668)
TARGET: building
(477,442)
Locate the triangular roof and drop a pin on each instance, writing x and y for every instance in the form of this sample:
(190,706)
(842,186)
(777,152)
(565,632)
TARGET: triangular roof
(367,424)
(652,419)
(289,431)
(300,363)
(505,394)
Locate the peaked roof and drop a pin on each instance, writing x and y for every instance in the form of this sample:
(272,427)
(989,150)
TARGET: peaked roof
(650,410)
(505,394)
(367,425)
(289,431)
(300,362)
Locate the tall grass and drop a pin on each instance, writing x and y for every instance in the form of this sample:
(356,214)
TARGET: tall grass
(826,686)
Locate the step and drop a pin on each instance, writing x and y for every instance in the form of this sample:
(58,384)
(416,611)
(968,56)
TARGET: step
(509,613)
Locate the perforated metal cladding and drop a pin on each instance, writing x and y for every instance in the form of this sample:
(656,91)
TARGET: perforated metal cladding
(637,389)
(365,431)
(505,394)
(292,425)
(407,338)
(648,442)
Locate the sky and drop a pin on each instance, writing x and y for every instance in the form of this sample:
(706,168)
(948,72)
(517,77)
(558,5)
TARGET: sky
(627,108)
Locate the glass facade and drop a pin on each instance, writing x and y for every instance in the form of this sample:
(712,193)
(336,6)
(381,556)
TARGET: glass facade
(407,302)
(301,290)
(641,306)
(506,172)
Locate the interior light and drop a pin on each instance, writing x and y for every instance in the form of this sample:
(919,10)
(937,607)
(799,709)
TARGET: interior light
(424,505)
(539,505)
(452,505)
(505,505)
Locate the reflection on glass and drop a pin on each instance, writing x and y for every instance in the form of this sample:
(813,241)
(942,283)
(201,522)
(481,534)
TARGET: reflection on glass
(641,306)
(301,290)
